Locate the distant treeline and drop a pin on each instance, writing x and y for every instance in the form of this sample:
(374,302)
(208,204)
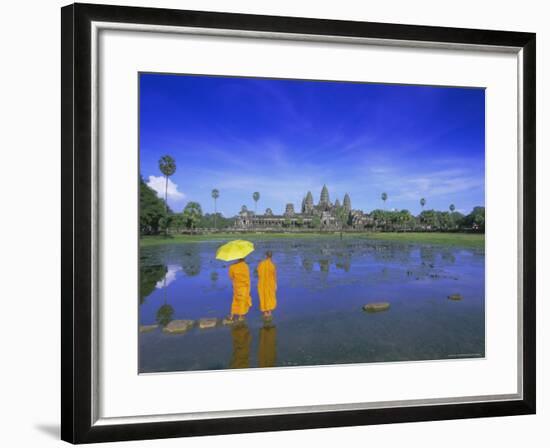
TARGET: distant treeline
(403,220)
(156,217)
(153,219)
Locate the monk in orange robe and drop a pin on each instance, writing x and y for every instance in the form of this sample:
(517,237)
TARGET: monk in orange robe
(267,284)
(240,276)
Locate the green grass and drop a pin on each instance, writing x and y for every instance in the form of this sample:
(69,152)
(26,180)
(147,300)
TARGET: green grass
(447,239)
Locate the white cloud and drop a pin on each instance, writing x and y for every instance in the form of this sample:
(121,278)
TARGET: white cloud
(169,277)
(158,183)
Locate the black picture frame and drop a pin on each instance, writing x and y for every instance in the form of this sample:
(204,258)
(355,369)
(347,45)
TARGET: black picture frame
(76,218)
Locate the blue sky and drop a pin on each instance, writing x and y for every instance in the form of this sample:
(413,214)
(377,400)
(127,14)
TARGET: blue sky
(285,137)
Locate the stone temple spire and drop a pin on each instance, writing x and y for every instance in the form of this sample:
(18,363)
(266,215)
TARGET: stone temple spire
(347,202)
(289,210)
(337,203)
(324,196)
(308,203)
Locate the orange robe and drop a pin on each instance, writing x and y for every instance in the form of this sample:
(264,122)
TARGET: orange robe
(240,276)
(267,285)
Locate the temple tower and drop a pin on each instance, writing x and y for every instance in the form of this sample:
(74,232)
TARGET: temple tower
(325,200)
(308,203)
(347,202)
(289,210)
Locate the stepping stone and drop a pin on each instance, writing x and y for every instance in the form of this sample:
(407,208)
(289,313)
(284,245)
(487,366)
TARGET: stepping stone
(178,326)
(454,297)
(227,321)
(208,323)
(147,328)
(374,307)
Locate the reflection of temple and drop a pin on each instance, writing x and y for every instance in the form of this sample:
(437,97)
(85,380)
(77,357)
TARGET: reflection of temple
(325,214)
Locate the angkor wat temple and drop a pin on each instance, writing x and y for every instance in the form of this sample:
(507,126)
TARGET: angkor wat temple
(325,215)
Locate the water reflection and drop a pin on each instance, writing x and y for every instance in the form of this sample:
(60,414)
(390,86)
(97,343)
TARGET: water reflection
(191,262)
(267,351)
(307,264)
(169,277)
(323,286)
(448,257)
(165,314)
(324,265)
(149,276)
(241,338)
(427,254)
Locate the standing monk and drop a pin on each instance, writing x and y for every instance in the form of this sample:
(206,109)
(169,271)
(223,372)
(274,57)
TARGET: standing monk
(240,276)
(267,284)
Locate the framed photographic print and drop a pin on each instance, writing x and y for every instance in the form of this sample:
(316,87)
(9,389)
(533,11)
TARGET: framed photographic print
(275,223)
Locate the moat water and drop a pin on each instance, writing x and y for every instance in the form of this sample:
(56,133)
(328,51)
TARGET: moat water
(322,286)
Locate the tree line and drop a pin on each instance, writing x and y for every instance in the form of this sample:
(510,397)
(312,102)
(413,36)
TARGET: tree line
(404,220)
(157,217)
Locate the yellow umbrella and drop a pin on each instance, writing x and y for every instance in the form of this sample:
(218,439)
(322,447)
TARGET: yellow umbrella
(234,250)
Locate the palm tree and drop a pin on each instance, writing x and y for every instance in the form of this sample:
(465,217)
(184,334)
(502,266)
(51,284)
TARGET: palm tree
(422,203)
(452,216)
(384,198)
(167,166)
(215,196)
(256,197)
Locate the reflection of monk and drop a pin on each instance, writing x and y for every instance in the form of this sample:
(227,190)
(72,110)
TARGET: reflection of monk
(240,276)
(267,353)
(241,346)
(267,284)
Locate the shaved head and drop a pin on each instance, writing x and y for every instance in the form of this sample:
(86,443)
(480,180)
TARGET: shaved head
(268,254)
